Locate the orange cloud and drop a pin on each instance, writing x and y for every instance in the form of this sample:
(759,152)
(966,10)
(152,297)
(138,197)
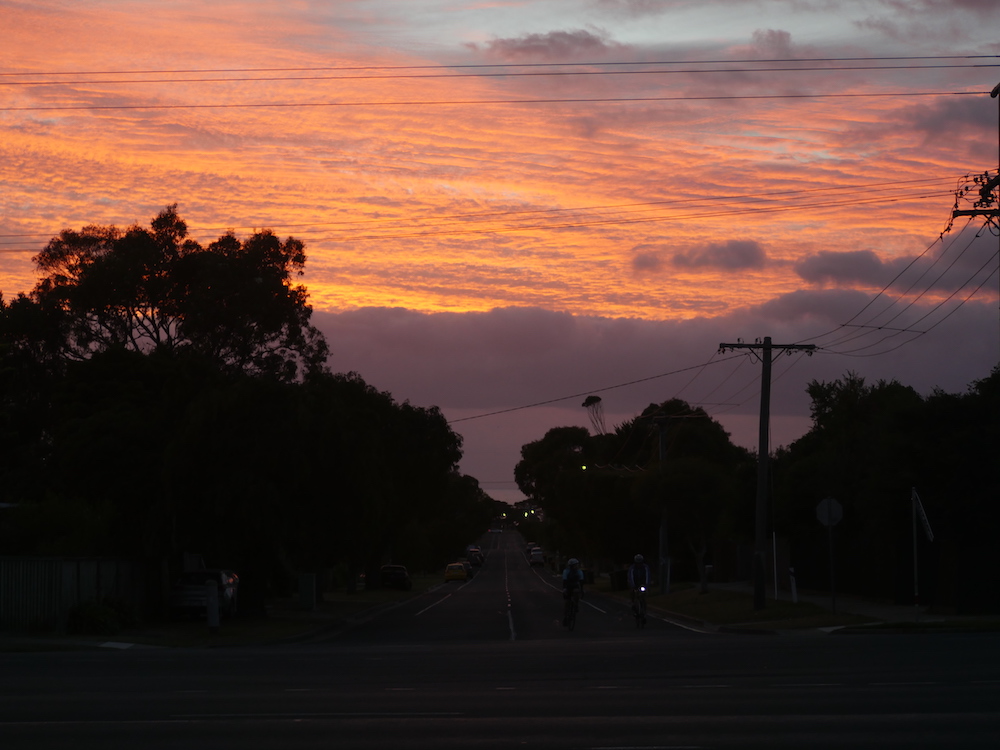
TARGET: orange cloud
(425,199)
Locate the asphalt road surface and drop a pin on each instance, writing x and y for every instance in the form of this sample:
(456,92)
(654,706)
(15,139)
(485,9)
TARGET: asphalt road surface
(487,664)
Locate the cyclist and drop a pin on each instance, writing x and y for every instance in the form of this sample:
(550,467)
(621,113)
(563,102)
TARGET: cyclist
(572,586)
(639,577)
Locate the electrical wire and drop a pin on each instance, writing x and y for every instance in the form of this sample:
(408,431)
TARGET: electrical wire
(590,392)
(481,102)
(443,229)
(746,61)
(503,74)
(883,330)
(850,330)
(465,219)
(918,332)
(437,219)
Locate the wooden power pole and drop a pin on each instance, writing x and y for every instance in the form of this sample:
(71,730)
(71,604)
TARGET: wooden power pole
(765,348)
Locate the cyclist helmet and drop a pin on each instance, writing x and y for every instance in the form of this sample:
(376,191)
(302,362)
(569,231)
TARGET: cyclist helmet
(638,558)
(573,561)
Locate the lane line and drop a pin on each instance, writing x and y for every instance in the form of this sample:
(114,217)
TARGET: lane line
(704,687)
(678,623)
(314,715)
(806,684)
(447,596)
(898,684)
(506,585)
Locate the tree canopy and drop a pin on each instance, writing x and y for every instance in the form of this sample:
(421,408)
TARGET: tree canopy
(605,496)
(233,302)
(870,446)
(158,398)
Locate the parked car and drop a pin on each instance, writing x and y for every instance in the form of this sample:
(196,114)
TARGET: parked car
(455,572)
(469,570)
(475,555)
(395,577)
(188,595)
(537,557)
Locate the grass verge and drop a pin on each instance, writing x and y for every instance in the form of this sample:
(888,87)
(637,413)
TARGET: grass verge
(733,608)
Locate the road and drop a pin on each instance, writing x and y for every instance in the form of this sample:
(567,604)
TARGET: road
(487,664)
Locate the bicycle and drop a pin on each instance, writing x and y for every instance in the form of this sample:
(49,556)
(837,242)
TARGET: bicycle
(639,606)
(571,608)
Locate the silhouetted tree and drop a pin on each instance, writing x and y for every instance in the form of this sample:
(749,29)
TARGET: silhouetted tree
(613,508)
(161,397)
(869,446)
(152,289)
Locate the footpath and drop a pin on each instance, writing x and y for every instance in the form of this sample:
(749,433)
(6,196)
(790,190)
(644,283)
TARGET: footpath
(285,621)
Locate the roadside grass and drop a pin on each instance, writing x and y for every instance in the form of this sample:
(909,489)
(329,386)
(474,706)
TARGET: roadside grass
(723,607)
(734,608)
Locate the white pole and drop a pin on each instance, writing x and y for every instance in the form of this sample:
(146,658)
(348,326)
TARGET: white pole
(916,594)
(774,558)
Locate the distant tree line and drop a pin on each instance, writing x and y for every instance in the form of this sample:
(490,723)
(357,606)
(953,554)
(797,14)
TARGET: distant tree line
(605,497)
(158,397)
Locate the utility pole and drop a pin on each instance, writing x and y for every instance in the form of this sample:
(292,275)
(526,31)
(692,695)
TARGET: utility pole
(760,525)
(987,206)
(664,544)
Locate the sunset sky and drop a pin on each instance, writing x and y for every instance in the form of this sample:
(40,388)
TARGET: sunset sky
(508,205)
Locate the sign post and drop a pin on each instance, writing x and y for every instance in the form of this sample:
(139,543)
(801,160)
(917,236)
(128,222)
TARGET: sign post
(918,510)
(829,512)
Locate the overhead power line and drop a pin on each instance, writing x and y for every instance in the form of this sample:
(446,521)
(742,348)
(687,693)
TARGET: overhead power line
(592,63)
(501,74)
(436,220)
(590,392)
(480,102)
(533,220)
(645,219)
(463,229)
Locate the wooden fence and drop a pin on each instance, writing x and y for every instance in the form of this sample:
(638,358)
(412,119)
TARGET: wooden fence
(37,594)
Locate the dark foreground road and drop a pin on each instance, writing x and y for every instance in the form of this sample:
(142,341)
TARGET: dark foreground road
(486,664)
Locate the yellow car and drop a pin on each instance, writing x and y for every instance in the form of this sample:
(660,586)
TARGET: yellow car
(455,572)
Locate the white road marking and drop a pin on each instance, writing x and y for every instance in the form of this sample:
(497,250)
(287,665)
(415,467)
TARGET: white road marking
(447,596)
(807,684)
(896,684)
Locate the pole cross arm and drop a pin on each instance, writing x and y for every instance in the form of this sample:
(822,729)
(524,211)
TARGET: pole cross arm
(810,348)
(989,213)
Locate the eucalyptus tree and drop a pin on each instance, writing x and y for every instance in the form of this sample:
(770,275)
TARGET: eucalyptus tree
(147,289)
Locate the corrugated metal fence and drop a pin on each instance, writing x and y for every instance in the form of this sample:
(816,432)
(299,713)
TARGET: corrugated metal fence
(36,594)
